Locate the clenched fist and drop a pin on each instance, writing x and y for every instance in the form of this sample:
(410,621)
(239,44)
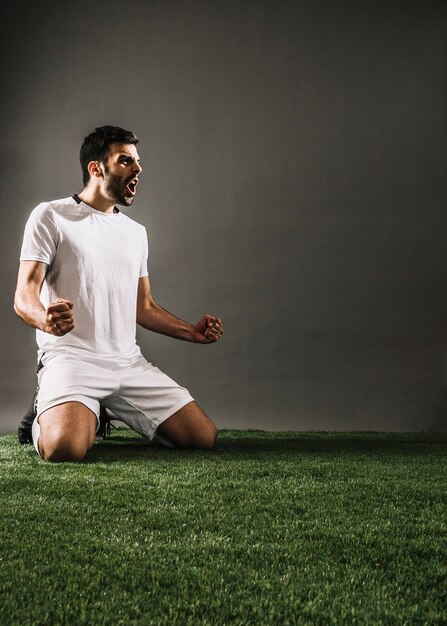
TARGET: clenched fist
(208,330)
(59,318)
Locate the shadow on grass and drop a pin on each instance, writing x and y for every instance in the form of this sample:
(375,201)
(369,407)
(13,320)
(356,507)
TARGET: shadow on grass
(259,444)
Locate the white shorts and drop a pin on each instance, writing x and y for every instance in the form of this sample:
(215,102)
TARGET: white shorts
(140,395)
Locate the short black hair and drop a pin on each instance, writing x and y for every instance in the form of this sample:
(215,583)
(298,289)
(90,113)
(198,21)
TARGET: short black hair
(96,145)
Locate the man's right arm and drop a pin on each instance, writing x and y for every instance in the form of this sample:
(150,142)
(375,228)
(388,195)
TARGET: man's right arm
(57,318)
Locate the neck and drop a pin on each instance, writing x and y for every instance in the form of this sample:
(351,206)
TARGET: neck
(96,200)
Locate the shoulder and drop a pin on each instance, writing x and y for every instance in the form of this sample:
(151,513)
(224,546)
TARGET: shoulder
(130,223)
(49,209)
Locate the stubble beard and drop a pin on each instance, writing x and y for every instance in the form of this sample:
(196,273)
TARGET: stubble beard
(114,188)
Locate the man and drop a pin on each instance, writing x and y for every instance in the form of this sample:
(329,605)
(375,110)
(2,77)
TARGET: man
(83,284)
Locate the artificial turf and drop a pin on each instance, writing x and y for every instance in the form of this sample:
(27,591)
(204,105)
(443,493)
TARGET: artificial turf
(267,528)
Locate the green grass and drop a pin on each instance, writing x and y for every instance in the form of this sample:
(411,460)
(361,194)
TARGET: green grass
(268,528)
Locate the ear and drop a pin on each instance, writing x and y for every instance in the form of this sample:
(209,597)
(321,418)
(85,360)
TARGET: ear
(94,169)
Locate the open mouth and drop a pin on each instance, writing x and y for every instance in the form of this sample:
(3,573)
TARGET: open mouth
(132,186)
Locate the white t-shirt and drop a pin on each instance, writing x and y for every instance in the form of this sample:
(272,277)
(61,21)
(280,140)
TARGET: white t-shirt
(95,260)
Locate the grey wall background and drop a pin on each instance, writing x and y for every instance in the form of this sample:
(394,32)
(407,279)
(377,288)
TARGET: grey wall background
(294,184)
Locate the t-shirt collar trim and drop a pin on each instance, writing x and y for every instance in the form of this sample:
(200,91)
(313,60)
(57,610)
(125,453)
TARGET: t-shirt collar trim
(78,200)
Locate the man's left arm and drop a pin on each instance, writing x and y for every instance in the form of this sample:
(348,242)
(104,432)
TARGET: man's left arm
(152,316)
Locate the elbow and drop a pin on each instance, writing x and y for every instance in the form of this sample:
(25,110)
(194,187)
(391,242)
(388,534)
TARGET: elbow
(144,313)
(138,318)
(141,319)
(18,309)
(16,306)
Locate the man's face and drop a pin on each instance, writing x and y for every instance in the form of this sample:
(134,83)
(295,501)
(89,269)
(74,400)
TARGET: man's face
(121,170)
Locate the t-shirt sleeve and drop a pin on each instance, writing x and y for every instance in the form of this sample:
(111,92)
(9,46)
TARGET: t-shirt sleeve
(144,256)
(40,237)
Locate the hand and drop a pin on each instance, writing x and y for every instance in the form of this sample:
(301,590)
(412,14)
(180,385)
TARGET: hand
(59,318)
(208,330)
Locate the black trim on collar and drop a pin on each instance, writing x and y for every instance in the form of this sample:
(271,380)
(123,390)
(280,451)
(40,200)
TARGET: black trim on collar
(77,199)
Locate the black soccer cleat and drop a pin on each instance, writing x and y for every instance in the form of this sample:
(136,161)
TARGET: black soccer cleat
(24,431)
(104,423)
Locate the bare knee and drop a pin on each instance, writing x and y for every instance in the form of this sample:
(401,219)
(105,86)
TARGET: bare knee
(67,432)
(206,438)
(189,427)
(59,447)
(211,438)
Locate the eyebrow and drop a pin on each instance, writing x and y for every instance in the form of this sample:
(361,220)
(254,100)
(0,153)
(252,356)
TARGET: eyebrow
(128,156)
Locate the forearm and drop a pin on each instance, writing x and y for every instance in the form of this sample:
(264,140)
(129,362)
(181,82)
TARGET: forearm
(28,307)
(161,321)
